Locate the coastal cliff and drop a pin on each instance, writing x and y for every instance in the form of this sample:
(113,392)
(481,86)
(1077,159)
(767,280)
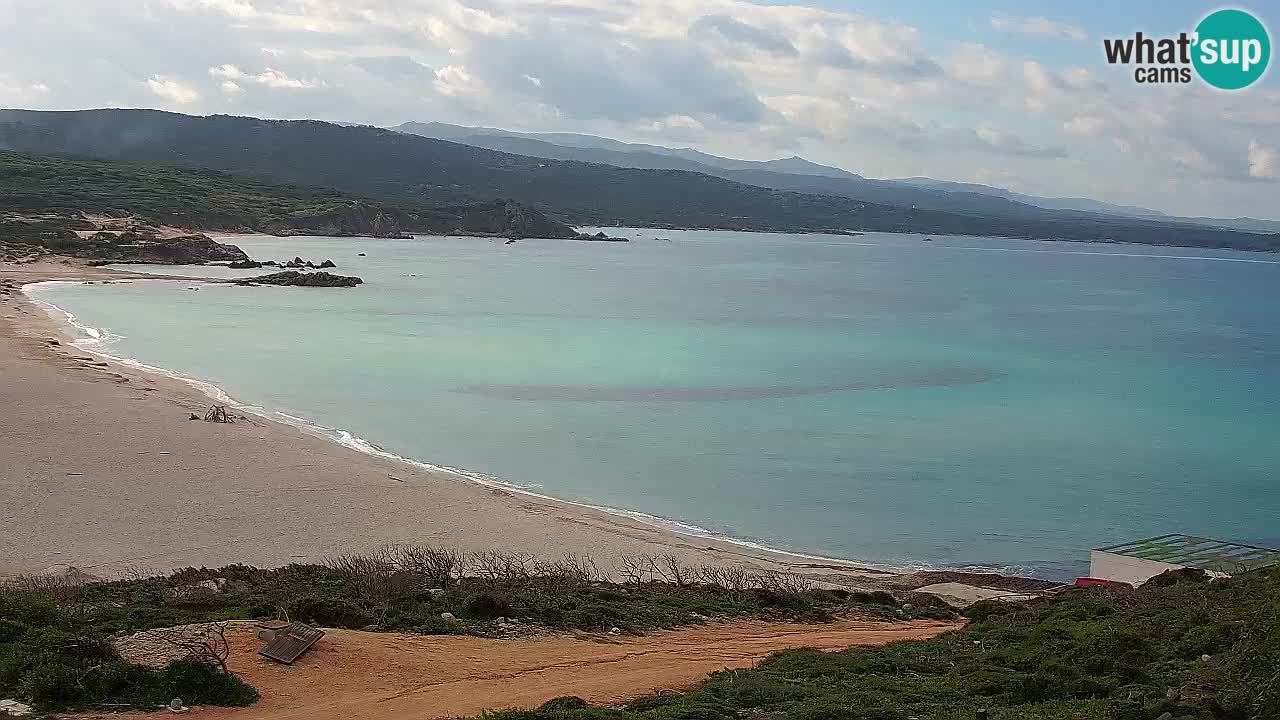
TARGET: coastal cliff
(107,240)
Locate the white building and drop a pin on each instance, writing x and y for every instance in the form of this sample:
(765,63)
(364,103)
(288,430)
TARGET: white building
(1138,561)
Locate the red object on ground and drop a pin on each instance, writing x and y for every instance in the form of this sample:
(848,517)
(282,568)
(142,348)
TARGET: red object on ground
(1092,581)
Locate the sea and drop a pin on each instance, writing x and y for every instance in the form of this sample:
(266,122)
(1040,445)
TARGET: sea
(891,399)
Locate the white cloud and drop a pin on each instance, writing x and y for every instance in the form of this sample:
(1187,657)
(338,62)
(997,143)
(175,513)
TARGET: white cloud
(277,79)
(453,80)
(230,72)
(171,89)
(1038,27)
(1005,142)
(269,77)
(240,9)
(1264,161)
(747,78)
(1084,125)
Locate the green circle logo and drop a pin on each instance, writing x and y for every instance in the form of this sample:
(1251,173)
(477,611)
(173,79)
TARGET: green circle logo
(1232,49)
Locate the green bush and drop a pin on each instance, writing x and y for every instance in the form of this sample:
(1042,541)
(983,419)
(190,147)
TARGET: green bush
(566,702)
(60,658)
(1085,654)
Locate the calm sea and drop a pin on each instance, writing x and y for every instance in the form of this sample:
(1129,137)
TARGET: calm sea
(956,402)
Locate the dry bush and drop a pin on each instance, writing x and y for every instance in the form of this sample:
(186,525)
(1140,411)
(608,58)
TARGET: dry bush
(372,576)
(62,589)
(635,569)
(501,566)
(668,568)
(437,566)
(735,578)
(783,582)
(205,644)
(572,569)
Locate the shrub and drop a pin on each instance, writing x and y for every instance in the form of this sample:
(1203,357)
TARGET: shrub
(566,702)
(484,606)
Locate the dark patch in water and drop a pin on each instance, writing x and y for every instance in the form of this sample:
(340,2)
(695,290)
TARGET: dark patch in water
(640,393)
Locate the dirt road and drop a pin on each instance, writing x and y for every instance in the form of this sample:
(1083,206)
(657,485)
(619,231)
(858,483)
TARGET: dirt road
(352,674)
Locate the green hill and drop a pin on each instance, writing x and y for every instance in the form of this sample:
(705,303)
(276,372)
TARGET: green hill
(400,168)
(201,199)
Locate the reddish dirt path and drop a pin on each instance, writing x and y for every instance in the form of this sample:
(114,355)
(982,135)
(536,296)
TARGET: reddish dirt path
(351,674)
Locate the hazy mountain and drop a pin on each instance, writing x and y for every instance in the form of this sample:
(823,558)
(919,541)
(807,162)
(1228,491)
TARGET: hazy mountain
(647,155)
(403,168)
(800,175)
(762,174)
(1081,204)
(1094,206)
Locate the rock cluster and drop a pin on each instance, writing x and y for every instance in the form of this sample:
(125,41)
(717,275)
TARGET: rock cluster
(599,237)
(301,279)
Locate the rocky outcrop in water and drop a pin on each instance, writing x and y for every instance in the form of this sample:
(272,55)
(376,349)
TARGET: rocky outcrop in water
(599,237)
(300,279)
(185,250)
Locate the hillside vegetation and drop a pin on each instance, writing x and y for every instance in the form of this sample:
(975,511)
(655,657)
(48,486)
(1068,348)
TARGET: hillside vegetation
(399,168)
(202,199)
(54,632)
(1179,645)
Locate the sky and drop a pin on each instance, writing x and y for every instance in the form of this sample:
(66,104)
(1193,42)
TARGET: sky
(1014,94)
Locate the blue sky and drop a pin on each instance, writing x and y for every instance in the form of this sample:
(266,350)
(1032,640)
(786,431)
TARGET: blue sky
(1009,94)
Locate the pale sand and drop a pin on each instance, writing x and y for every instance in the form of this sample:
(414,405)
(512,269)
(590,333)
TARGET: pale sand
(101,469)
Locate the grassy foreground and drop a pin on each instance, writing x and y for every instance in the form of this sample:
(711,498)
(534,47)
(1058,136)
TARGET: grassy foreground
(1179,645)
(54,634)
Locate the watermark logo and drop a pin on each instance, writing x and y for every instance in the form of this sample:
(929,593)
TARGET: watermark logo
(1229,49)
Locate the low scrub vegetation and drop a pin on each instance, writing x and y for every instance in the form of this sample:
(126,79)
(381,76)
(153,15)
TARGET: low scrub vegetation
(1180,645)
(417,588)
(54,632)
(58,656)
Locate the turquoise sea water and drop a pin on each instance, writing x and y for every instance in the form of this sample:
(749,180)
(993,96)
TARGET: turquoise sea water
(964,401)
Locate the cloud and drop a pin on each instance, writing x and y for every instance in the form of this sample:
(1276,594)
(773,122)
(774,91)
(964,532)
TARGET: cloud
(396,68)
(1264,161)
(1084,125)
(173,90)
(269,77)
(454,80)
(745,78)
(736,31)
(1038,27)
(1006,143)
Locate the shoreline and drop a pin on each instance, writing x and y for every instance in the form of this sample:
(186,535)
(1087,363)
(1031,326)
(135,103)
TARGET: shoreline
(613,528)
(358,444)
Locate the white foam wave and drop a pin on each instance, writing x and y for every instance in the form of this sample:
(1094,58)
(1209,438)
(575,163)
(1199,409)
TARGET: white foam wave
(95,340)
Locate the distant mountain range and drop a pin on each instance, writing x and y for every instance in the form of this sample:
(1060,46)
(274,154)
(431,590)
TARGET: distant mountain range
(406,170)
(591,148)
(801,175)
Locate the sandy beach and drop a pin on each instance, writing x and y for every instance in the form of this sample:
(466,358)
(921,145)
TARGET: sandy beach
(101,469)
